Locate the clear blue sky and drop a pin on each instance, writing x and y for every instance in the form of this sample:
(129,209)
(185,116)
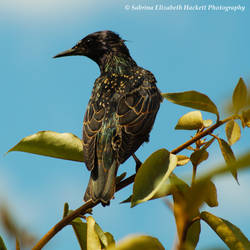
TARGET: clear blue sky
(203,51)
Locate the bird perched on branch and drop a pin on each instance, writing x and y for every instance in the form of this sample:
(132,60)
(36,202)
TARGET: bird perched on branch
(120,113)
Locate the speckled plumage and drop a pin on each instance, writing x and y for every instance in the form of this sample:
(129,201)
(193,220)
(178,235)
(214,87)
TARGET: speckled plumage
(120,112)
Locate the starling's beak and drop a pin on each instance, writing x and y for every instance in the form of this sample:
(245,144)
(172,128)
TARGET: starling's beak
(70,52)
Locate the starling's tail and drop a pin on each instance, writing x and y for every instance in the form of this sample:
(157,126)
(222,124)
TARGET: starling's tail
(102,184)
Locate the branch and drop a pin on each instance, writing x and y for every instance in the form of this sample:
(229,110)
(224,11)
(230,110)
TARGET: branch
(90,204)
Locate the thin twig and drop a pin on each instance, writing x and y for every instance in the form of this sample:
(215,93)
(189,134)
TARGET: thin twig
(90,204)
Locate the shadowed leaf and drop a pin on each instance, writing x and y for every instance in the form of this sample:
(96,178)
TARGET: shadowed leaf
(228,156)
(199,156)
(2,245)
(211,197)
(240,95)
(193,235)
(193,99)
(47,143)
(190,121)
(229,233)
(151,175)
(80,229)
(233,132)
(246,118)
(141,242)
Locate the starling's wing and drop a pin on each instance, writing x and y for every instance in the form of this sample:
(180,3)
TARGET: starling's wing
(91,126)
(136,114)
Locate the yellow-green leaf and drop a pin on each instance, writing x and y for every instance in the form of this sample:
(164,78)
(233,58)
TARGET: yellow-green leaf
(105,237)
(211,197)
(80,230)
(93,241)
(240,95)
(151,175)
(182,160)
(2,245)
(229,233)
(228,156)
(199,156)
(48,143)
(193,99)
(207,123)
(233,132)
(193,236)
(141,242)
(190,121)
(246,118)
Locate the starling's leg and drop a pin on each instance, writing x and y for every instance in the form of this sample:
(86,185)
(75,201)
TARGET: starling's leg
(137,161)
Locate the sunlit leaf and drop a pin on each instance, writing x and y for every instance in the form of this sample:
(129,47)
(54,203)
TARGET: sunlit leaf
(229,233)
(105,237)
(232,131)
(211,197)
(182,160)
(141,242)
(207,123)
(240,95)
(109,238)
(47,143)
(93,241)
(190,121)
(193,99)
(199,156)
(246,118)
(228,155)
(2,245)
(152,174)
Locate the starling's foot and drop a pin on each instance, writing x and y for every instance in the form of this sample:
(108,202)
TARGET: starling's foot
(137,161)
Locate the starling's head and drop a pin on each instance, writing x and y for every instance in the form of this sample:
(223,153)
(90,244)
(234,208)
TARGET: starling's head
(97,45)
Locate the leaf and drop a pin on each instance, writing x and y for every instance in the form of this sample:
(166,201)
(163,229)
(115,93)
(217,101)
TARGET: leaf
(151,175)
(233,132)
(80,230)
(190,121)
(229,233)
(65,209)
(120,177)
(228,156)
(208,144)
(93,241)
(246,118)
(193,235)
(58,145)
(110,238)
(182,160)
(207,123)
(199,156)
(2,245)
(142,242)
(193,99)
(240,95)
(105,238)
(211,197)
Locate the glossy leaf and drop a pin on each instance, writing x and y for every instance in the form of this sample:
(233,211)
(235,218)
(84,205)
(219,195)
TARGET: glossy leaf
(141,242)
(228,156)
(47,143)
(2,245)
(190,121)
(199,156)
(182,160)
(193,99)
(240,95)
(211,197)
(229,233)
(151,175)
(93,241)
(233,132)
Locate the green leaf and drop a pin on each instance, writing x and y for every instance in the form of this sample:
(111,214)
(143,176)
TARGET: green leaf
(80,229)
(193,99)
(182,160)
(142,242)
(199,156)
(2,245)
(190,121)
(211,197)
(233,132)
(59,145)
(151,175)
(240,96)
(93,241)
(246,118)
(193,235)
(228,156)
(229,233)
(105,237)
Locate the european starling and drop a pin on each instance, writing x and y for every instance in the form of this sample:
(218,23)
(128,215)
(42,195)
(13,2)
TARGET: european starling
(120,113)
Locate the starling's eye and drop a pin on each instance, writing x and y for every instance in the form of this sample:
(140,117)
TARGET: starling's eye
(89,41)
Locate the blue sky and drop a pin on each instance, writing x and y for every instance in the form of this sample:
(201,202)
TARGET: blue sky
(203,51)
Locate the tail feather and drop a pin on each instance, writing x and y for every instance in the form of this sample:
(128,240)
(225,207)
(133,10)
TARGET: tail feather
(101,184)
